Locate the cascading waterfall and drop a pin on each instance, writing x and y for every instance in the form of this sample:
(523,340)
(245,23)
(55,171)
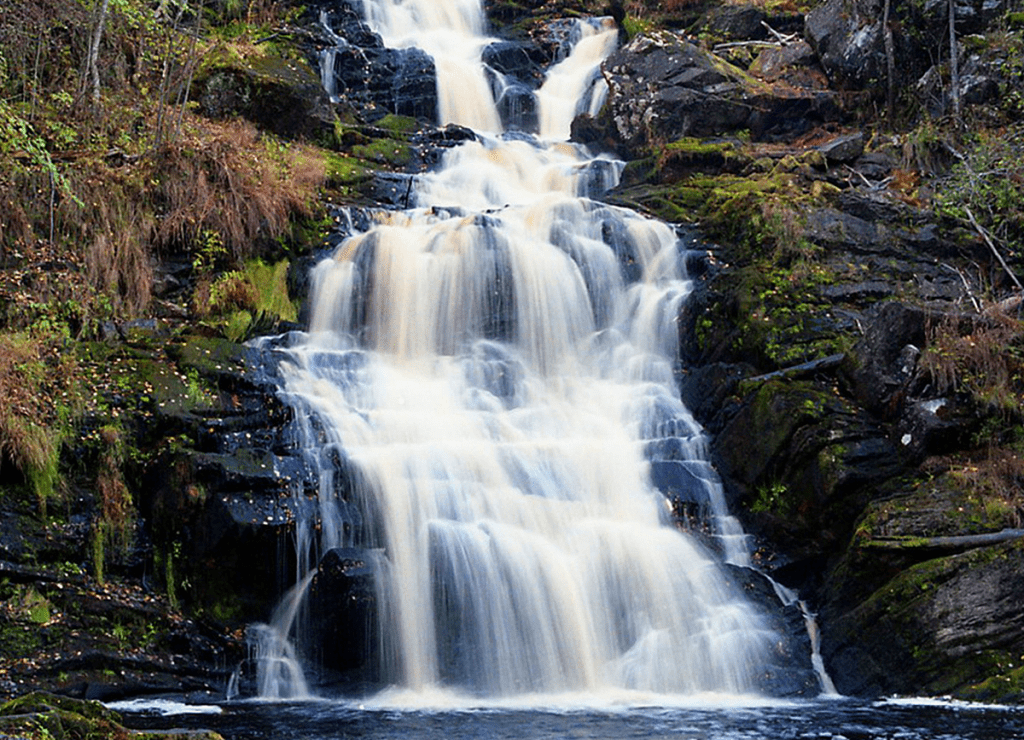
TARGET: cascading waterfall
(494,369)
(451,31)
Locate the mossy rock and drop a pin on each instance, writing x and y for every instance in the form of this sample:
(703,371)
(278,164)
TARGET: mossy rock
(280,94)
(42,716)
(944,626)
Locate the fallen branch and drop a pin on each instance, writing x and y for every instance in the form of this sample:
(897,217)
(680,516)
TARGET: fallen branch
(992,246)
(956,543)
(782,38)
(796,371)
(738,44)
(967,287)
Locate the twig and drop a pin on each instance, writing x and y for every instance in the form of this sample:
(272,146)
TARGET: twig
(782,38)
(736,44)
(992,246)
(954,66)
(890,65)
(967,287)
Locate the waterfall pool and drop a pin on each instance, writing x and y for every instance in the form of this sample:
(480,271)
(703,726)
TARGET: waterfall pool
(902,719)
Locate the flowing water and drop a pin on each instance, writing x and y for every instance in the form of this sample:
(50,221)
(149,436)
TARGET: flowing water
(818,720)
(494,367)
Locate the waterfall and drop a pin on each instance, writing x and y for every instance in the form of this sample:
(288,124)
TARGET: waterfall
(451,31)
(488,376)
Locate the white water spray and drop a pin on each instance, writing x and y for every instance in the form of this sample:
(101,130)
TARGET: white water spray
(494,366)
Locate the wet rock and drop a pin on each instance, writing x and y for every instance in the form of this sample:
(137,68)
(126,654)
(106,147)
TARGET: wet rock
(789,671)
(517,106)
(939,626)
(514,59)
(806,458)
(683,482)
(378,81)
(343,608)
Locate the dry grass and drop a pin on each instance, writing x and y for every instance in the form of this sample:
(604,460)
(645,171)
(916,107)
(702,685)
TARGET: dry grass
(232,183)
(982,357)
(996,479)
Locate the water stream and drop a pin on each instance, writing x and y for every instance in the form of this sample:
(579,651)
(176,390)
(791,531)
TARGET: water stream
(488,378)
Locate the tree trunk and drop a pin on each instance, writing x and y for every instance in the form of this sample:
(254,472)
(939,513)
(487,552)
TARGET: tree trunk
(890,64)
(92,68)
(954,68)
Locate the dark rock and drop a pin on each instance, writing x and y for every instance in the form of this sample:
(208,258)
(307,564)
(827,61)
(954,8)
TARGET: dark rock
(392,188)
(843,148)
(513,59)
(875,165)
(850,41)
(936,426)
(704,389)
(930,628)
(379,81)
(736,22)
(847,36)
(884,361)
(684,484)
(662,86)
(789,671)
(978,84)
(876,206)
(858,292)
(972,16)
(281,95)
(343,609)
(835,229)
(796,64)
(517,106)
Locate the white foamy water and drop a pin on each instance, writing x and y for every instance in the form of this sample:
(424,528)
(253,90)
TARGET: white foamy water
(451,31)
(493,369)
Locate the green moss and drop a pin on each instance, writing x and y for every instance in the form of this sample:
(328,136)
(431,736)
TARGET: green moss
(390,152)
(398,124)
(271,282)
(40,716)
(1004,685)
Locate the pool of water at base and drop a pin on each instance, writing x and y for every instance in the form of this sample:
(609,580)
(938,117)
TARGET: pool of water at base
(823,719)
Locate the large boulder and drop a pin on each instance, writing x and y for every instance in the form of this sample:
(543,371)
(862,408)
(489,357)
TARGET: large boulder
(343,610)
(925,599)
(378,81)
(662,87)
(278,94)
(849,37)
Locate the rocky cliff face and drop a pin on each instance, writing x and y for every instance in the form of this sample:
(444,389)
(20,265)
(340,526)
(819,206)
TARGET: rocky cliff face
(847,346)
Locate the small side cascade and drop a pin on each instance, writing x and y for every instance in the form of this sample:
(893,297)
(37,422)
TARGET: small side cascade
(788,597)
(573,86)
(278,669)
